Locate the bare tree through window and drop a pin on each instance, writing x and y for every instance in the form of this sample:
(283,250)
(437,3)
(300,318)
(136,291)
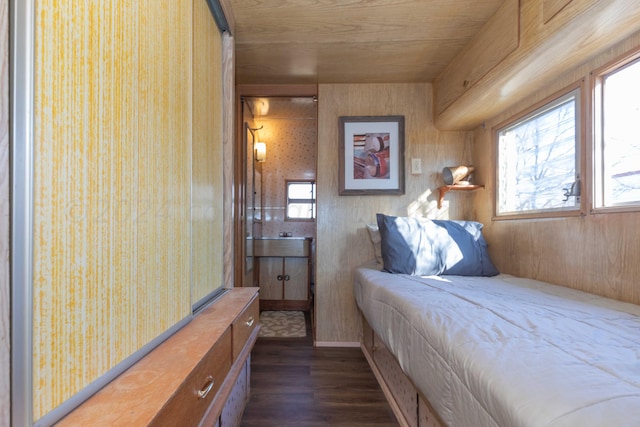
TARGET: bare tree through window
(537,159)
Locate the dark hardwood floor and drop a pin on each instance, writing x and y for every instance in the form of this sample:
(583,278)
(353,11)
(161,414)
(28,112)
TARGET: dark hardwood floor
(295,384)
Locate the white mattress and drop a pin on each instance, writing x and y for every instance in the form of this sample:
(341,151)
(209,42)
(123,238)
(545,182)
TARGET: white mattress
(507,351)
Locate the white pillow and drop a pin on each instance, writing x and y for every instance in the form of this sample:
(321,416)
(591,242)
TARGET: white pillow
(376,240)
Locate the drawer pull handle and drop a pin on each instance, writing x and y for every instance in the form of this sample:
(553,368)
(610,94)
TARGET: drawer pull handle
(207,388)
(250,322)
(279,277)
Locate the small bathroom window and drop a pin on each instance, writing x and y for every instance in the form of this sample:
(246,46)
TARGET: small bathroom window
(301,200)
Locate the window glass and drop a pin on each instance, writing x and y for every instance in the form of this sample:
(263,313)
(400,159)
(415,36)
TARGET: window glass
(619,166)
(537,159)
(301,200)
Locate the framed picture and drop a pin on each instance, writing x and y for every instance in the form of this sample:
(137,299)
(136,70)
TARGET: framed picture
(371,155)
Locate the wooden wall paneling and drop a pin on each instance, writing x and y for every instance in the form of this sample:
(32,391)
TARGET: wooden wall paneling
(112,181)
(343,242)
(207,235)
(595,253)
(581,29)
(5,295)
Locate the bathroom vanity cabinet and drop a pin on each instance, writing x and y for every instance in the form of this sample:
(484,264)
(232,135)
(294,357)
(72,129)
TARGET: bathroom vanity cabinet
(284,272)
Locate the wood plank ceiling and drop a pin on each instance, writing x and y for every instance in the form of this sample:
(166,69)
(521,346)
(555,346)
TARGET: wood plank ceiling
(351,41)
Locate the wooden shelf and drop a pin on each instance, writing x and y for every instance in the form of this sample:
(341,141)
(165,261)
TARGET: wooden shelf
(443,190)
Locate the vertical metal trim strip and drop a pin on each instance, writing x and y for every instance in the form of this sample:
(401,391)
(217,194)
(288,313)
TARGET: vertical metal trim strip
(21,77)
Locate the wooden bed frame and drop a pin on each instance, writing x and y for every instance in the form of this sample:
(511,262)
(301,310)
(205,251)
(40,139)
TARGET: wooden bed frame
(410,407)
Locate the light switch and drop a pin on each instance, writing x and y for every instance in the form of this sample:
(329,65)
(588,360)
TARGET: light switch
(416,166)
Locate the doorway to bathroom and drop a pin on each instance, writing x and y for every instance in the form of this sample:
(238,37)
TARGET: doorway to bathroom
(277,200)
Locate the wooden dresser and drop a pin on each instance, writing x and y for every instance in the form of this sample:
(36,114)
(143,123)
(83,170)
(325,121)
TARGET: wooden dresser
(197,377)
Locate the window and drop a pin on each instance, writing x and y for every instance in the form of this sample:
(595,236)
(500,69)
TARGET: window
(538,167)
(301,200)
(617,152)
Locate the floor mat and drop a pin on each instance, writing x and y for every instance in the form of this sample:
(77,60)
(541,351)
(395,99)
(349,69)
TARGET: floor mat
(282,324)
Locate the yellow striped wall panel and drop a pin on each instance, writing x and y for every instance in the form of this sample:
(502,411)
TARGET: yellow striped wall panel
(112,185)
(207,190)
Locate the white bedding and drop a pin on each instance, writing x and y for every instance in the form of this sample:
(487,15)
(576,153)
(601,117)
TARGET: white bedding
(507,351)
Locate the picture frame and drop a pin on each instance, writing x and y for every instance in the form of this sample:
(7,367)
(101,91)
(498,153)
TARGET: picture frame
(371,155)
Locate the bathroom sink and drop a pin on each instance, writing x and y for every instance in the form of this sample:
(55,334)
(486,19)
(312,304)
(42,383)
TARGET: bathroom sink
(283,238)
(282,246)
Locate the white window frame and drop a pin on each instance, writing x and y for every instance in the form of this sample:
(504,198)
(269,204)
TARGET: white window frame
(600,202)
(311,200)
(548,103)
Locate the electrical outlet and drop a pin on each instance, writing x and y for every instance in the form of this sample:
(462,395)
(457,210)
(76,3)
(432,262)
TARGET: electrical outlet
(416,166)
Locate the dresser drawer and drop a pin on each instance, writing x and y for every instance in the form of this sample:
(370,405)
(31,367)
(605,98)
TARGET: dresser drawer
(194,396)
(244,325)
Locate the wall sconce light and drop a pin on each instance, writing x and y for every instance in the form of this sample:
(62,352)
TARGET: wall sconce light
(260,151)
(455,175)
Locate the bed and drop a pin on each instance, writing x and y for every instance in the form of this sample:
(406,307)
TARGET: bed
(497,350)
